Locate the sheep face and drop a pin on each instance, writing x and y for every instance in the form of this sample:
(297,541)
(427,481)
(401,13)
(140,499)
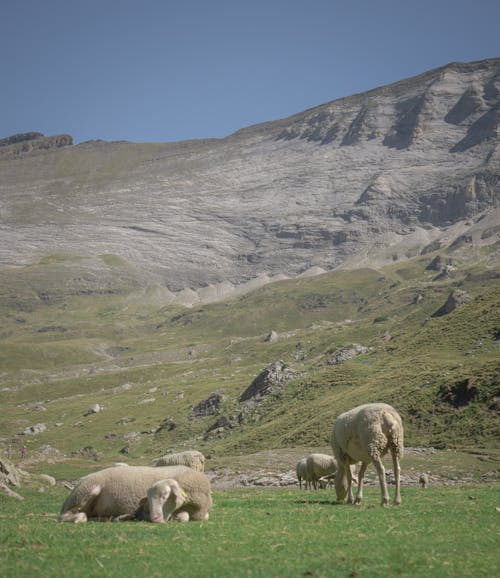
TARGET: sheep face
(341,483)
(164,498)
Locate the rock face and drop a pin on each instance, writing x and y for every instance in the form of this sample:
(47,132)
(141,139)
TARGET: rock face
(20,144)
(360,180)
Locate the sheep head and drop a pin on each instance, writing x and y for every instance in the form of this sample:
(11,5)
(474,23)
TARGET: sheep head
(164,498)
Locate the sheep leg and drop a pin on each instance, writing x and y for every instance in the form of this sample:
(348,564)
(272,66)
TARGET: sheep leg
(397,476)
(77,513)
(379,466)
(361,473)
(350,497)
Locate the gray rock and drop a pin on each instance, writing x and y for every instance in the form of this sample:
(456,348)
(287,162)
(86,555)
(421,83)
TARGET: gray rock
(346,353)
(209,406)
(269,381)
(35,429)
(96,408)
(455,299)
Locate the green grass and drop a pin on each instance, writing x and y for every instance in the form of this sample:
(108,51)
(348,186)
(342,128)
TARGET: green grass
(68,353)
(438,532)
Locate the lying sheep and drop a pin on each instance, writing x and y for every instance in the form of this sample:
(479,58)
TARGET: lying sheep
(319,465)
(190,458)
(366,433)
(123,493)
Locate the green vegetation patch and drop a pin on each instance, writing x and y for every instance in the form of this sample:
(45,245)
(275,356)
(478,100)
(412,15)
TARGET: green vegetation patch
(445,532)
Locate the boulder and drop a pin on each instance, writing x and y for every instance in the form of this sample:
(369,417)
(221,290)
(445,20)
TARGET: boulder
(270,380)
(346,353)
(34,429)
(455,299)
(209,406)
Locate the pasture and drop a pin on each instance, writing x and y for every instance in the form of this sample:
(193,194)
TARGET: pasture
(269,532)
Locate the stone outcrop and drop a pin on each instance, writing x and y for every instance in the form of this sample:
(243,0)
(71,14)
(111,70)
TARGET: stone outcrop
(455,299)
(269,381)
(346,353)
(209,406)
(21,144)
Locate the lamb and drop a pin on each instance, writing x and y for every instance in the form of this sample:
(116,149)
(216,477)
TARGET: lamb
(301,470)
(366,433)
(318,466)
(191,458)
(121,493)
(423,480)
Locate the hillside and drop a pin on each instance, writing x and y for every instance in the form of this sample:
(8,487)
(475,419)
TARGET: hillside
(361,181)
(235,295)
(175,377)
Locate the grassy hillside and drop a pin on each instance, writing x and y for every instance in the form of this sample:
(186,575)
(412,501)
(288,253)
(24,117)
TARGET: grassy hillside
(148,367)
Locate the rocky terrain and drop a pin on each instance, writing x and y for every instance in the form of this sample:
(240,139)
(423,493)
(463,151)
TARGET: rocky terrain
(375,177)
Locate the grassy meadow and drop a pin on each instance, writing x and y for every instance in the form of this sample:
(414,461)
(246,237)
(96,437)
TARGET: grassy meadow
(436,532)
(147,365)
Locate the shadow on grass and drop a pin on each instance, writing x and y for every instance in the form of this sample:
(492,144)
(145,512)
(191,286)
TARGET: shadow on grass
(320,502)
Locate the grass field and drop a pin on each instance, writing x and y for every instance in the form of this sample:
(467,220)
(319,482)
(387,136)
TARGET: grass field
(438,532)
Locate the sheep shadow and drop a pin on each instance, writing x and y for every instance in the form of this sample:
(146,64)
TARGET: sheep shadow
(317,501)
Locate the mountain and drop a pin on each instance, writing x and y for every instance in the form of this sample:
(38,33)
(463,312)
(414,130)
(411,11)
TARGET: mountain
(377,177)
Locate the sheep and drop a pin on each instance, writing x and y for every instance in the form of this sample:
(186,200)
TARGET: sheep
(191,458)
(319,465)
(366,433)
(166,497)
(121,493)
(301,470)
(423,480)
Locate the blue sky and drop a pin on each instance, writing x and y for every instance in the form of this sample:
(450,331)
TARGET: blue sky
(167,70)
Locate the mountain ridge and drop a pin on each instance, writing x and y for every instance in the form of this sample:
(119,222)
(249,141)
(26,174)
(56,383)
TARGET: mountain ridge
(365,179)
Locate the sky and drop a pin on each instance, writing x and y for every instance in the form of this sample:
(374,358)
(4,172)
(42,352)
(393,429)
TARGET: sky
(170,70)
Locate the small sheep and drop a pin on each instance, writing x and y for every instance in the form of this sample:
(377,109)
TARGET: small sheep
(423,480)
(191,458)
(366,433)
(319,465)
(122,493)
(301,470)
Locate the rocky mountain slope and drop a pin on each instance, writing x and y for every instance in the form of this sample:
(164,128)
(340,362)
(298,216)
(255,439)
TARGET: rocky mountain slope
(368,179)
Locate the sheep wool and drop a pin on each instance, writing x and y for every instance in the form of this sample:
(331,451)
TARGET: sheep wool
(365,434)
(319,465)
(190,458)
(118,492)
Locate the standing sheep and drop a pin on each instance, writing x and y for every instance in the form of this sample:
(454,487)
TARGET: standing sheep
(423,480)
(319,465)
(301,470)
(122,493)
(366,433)
(190,458)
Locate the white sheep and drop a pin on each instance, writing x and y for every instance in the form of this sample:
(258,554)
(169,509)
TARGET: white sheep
(190,458)
(122,493)
(166,498)
(301,470)
(423,480)
(366,433)
(319,465)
